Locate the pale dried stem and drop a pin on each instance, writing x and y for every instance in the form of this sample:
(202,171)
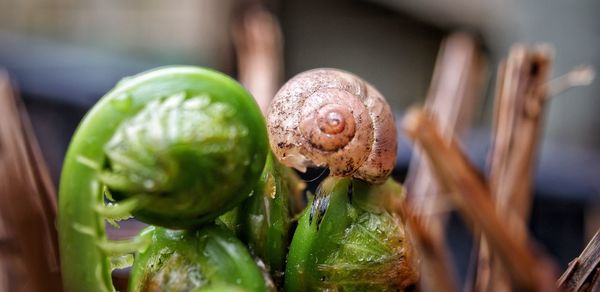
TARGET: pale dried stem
(471,196)
(436,274)
(519,106)
(579,76)
(455,87)
(517,130)
(27,196)
(258,43)
(583,273)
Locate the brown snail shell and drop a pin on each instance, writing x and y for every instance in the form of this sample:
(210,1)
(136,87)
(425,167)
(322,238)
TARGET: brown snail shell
(332,118)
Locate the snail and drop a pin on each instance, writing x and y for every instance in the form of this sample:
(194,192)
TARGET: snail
(332,118)
(349,238)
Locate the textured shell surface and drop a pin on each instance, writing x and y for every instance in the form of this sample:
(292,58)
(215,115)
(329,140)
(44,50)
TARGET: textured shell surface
(332,118)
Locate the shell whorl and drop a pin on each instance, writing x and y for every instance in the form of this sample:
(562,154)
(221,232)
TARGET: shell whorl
(332,118)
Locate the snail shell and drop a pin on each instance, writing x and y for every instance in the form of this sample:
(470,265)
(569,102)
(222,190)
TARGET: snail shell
(332,118)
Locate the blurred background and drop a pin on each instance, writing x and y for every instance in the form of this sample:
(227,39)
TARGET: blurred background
(63,55)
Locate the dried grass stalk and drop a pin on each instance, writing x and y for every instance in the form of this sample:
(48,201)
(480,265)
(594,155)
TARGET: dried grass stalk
(583,273)
(471,196)
(27,196)
(518,121)
(455,87)
(259,49)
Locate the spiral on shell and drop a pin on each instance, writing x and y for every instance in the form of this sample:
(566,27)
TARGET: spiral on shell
(332,118)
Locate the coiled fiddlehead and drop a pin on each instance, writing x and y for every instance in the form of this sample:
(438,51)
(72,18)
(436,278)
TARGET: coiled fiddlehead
(174,147)
(194,260)
(350,244)
(175,154)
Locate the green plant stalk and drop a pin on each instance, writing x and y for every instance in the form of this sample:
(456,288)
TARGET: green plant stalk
(311,243)
(85,260)
(347,240)
(264,221)
(209,258)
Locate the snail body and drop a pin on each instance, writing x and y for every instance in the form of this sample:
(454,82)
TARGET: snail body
(332,118)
